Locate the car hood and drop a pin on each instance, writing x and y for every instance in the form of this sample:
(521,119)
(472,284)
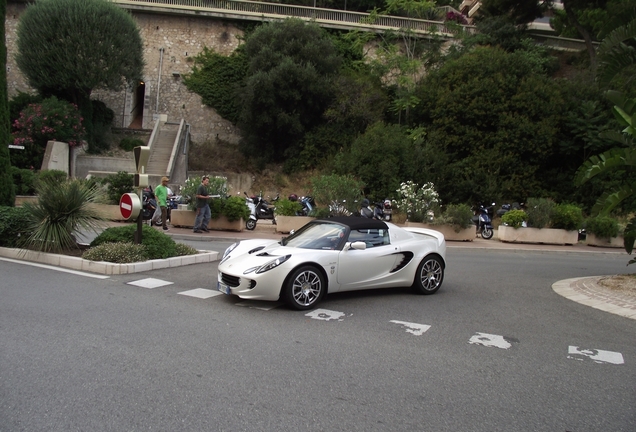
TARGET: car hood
(258,252)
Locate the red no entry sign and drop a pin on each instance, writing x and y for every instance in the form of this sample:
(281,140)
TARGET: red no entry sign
(129,205)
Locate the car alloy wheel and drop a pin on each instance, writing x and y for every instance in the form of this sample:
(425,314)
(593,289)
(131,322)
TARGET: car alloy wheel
(305,287)
(430,275)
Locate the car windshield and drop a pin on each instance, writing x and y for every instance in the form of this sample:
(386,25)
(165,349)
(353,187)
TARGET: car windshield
(317,236)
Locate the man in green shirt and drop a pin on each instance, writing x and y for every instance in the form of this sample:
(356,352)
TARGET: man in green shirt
(161,193)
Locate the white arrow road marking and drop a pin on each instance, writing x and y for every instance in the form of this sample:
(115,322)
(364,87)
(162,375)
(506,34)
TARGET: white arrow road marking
(150,283)
(596,355)
(414,328)
(490,340)
(325,315)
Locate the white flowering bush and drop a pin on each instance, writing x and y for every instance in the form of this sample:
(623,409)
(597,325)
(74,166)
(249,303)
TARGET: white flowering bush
(217,186)
(418,203)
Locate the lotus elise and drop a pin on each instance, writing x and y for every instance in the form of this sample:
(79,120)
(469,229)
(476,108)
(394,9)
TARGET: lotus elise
(333,255)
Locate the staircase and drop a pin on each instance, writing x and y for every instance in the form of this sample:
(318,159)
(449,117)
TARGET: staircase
(164,144)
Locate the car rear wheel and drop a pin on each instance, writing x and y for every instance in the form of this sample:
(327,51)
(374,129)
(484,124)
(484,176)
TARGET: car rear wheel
(430,275)
(304,288)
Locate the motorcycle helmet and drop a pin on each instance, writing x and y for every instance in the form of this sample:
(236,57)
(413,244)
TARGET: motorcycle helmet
(293,197)
(365,203)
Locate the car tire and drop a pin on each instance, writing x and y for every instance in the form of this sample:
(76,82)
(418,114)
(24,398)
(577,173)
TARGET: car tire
(487,233)
(304,288)
(250,224)
(430,275)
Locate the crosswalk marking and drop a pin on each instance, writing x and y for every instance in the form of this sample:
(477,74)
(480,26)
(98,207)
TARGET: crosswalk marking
(201,293)
(150,283)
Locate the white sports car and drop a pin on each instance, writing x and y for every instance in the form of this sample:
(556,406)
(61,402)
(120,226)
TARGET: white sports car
(333,255)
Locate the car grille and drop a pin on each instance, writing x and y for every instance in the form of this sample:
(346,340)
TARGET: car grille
(229,280)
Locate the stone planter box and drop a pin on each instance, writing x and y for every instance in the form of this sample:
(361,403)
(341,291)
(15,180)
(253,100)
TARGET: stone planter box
(466,234)
(613,242)
(21,199)
(185,218)
(538,235)
(285,224)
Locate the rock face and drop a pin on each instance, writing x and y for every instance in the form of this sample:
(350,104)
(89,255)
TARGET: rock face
(170,44)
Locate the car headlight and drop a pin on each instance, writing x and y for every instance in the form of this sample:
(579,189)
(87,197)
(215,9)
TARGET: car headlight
(227,252)
(272,264)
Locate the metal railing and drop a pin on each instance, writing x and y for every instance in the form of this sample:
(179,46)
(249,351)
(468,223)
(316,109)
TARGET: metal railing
(250,10)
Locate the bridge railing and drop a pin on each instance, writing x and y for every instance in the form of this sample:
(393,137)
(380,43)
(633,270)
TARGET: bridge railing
(327,17)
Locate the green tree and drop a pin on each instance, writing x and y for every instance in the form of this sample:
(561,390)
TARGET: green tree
(288,86)
(493,118)
(215,78)
(67,48)
(7,192)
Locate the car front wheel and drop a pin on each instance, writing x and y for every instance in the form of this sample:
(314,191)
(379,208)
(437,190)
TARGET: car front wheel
(304,288)
(430,275)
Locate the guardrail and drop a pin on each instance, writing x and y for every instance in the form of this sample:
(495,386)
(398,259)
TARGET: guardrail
(258,11)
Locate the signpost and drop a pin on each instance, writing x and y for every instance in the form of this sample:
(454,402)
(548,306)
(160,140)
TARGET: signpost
(142,154)
(129,206)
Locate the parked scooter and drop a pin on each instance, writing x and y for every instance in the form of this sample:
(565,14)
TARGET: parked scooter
(483,220)
(387,210)
(149,204)
(259,209)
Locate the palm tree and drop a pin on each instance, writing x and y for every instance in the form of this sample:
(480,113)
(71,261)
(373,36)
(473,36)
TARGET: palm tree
(63,209)
(617,54)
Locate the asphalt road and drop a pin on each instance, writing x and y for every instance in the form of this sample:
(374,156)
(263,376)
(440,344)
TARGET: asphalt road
(494,350)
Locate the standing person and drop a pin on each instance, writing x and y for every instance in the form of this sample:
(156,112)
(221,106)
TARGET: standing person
(203,209)
(161,193)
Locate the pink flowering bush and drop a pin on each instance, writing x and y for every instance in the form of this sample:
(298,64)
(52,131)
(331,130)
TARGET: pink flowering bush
(50,120)
(457,17)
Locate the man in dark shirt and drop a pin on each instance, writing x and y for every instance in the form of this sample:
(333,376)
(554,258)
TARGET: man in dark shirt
(203,209)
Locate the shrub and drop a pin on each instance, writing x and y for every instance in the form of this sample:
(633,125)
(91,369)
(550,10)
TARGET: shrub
(118,184)
(120,253)
(344,189)
(217,186)
(539,211)
(216,207)
(129,144)
(184,249)
(157,244)
(52,119)
(417,202)
(235,208)
(567,216)
(52,176)
(459,215)
(62,210)
(514,218)
(602,226)
(14,226)
(286,207)
(23,180)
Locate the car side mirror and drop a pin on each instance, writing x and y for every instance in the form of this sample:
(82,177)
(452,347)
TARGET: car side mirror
(358,245)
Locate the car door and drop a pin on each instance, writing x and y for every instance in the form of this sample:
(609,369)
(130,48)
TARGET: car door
(369,268)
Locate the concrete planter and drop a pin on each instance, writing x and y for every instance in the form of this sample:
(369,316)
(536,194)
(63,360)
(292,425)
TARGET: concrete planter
(185,218)
(538,235)
(466,234)
(284,224)
(613,242)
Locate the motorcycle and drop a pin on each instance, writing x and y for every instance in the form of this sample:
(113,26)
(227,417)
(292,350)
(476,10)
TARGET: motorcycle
(483,220)
(387,210)
(149,204)
(259,209)
(308,204)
